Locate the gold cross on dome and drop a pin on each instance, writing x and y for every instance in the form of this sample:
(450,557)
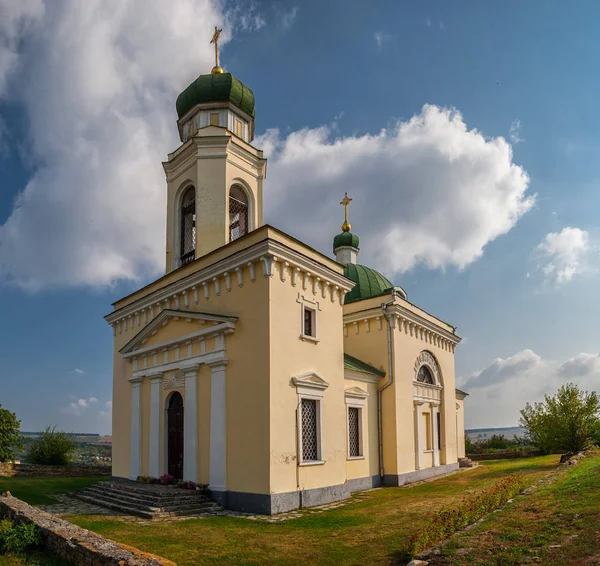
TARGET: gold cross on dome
(215,39)
(345,202)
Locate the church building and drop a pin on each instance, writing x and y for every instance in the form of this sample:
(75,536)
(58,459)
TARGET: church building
(280,376)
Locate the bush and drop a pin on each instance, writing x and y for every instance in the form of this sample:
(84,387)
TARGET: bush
(10,435)
(52,447)
(17,538)
(448,521)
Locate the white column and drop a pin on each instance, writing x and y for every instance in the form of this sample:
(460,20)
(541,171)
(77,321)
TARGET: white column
(155,411)
(190,425)
(218,436)
(418,435)
(434,426)
(135,449)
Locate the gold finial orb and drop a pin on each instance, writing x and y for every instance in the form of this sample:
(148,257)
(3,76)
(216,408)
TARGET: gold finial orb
(217,69)
(346,226)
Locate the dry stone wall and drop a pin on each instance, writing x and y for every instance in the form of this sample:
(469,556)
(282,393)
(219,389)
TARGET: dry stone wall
(33,470)
(73,544)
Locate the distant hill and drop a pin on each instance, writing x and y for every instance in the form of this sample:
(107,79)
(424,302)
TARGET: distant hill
(483,433)
(71,433)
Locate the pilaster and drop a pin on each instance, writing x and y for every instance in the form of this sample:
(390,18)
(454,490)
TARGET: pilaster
(155,412)
(434,426)
(418,435)
(190,424)
(218,432)
(136,429)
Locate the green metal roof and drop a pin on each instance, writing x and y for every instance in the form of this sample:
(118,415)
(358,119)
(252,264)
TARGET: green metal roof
(461,392)
(345,239)
(355,364)
(369,283)
(223,87)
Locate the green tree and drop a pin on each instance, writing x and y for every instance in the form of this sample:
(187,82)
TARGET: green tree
(565,422)
(52,447)
(10,435)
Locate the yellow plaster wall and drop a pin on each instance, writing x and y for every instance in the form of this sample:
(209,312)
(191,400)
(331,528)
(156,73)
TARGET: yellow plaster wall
(291,356)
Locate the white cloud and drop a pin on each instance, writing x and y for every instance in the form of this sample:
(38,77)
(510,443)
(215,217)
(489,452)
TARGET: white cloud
(380,38)
(98,81)
(77,371)
(515,132)
(428,22)
(106,410)
(498,392)
(78,408)
(288,18)
(442,25)
(426,191)
(563,255)
(245,16)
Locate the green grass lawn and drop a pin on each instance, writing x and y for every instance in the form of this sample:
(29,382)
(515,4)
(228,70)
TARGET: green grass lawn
(557,524)
(370,530)
(39,491)
(30,559)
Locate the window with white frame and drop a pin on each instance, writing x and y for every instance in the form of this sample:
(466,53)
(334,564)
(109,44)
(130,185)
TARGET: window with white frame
(355,403)
(309,322)
(310,388)
(310,430)
(354,432)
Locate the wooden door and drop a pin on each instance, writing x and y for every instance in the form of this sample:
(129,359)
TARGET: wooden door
(175,435)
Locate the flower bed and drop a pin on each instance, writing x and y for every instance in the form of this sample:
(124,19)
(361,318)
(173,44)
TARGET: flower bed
(446,522)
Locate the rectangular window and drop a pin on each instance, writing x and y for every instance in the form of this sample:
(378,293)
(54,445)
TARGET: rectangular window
(310,430)
(309,322)
(354,432)
(214,119)
(238,128)
(427,431)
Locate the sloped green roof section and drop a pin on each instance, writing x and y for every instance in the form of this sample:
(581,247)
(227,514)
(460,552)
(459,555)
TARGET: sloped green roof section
(354,364)
(223,87)
(369,283)
(345,239)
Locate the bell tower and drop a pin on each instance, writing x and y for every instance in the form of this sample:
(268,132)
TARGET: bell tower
(215,177)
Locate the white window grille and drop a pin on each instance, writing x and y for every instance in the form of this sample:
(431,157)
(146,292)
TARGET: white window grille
(310,430)
(188,227)
(354,450)
(238,213)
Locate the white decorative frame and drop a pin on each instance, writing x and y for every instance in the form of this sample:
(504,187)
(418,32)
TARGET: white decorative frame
(356,397)
(251,204)
(183,188)
(310,386)
(315,307)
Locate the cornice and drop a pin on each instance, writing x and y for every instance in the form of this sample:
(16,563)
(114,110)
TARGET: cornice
(272,256)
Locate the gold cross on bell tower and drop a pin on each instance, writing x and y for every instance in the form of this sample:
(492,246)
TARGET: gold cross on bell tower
(216,70)
(345,202)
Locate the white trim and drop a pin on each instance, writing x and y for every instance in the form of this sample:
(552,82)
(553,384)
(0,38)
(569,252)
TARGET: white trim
(268,247)
(135,449)
(360,405)
(434,433)
(310,384)
(359,376)
(182,189)
(355,396)
(218,430)
(418,435)
(317,399)
(190,424)
(154,452)
(210,358)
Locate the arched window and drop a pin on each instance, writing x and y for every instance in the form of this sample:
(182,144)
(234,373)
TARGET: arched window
(238,213)
(188,226)
(424,375)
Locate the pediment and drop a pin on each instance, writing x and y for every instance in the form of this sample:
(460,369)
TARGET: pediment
(311,380)
(356,392)
(170,326)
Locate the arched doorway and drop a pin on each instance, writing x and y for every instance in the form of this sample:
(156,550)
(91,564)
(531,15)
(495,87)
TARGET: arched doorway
(175,435)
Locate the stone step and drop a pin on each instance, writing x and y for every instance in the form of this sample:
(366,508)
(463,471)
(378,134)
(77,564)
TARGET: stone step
(149,512)
(149,506)
(150,499)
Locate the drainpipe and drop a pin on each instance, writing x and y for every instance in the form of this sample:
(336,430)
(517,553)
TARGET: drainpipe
(390,380)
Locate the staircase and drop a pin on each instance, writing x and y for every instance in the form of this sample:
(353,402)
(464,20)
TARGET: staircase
(148,501)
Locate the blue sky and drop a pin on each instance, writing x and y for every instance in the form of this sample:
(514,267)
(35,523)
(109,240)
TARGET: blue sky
(503,245)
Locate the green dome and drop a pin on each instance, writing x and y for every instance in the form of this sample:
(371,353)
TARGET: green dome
(345,239)
(369,283)
(222,87)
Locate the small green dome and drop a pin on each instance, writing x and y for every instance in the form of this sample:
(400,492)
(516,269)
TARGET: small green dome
(369,283)
(222,87)
(345,239)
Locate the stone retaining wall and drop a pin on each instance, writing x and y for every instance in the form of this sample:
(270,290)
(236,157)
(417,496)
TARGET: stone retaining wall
(33,470)
(72,543)
(503,455)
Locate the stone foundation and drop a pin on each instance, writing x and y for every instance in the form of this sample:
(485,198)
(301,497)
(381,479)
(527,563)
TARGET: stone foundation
(73,544)
(35,471)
